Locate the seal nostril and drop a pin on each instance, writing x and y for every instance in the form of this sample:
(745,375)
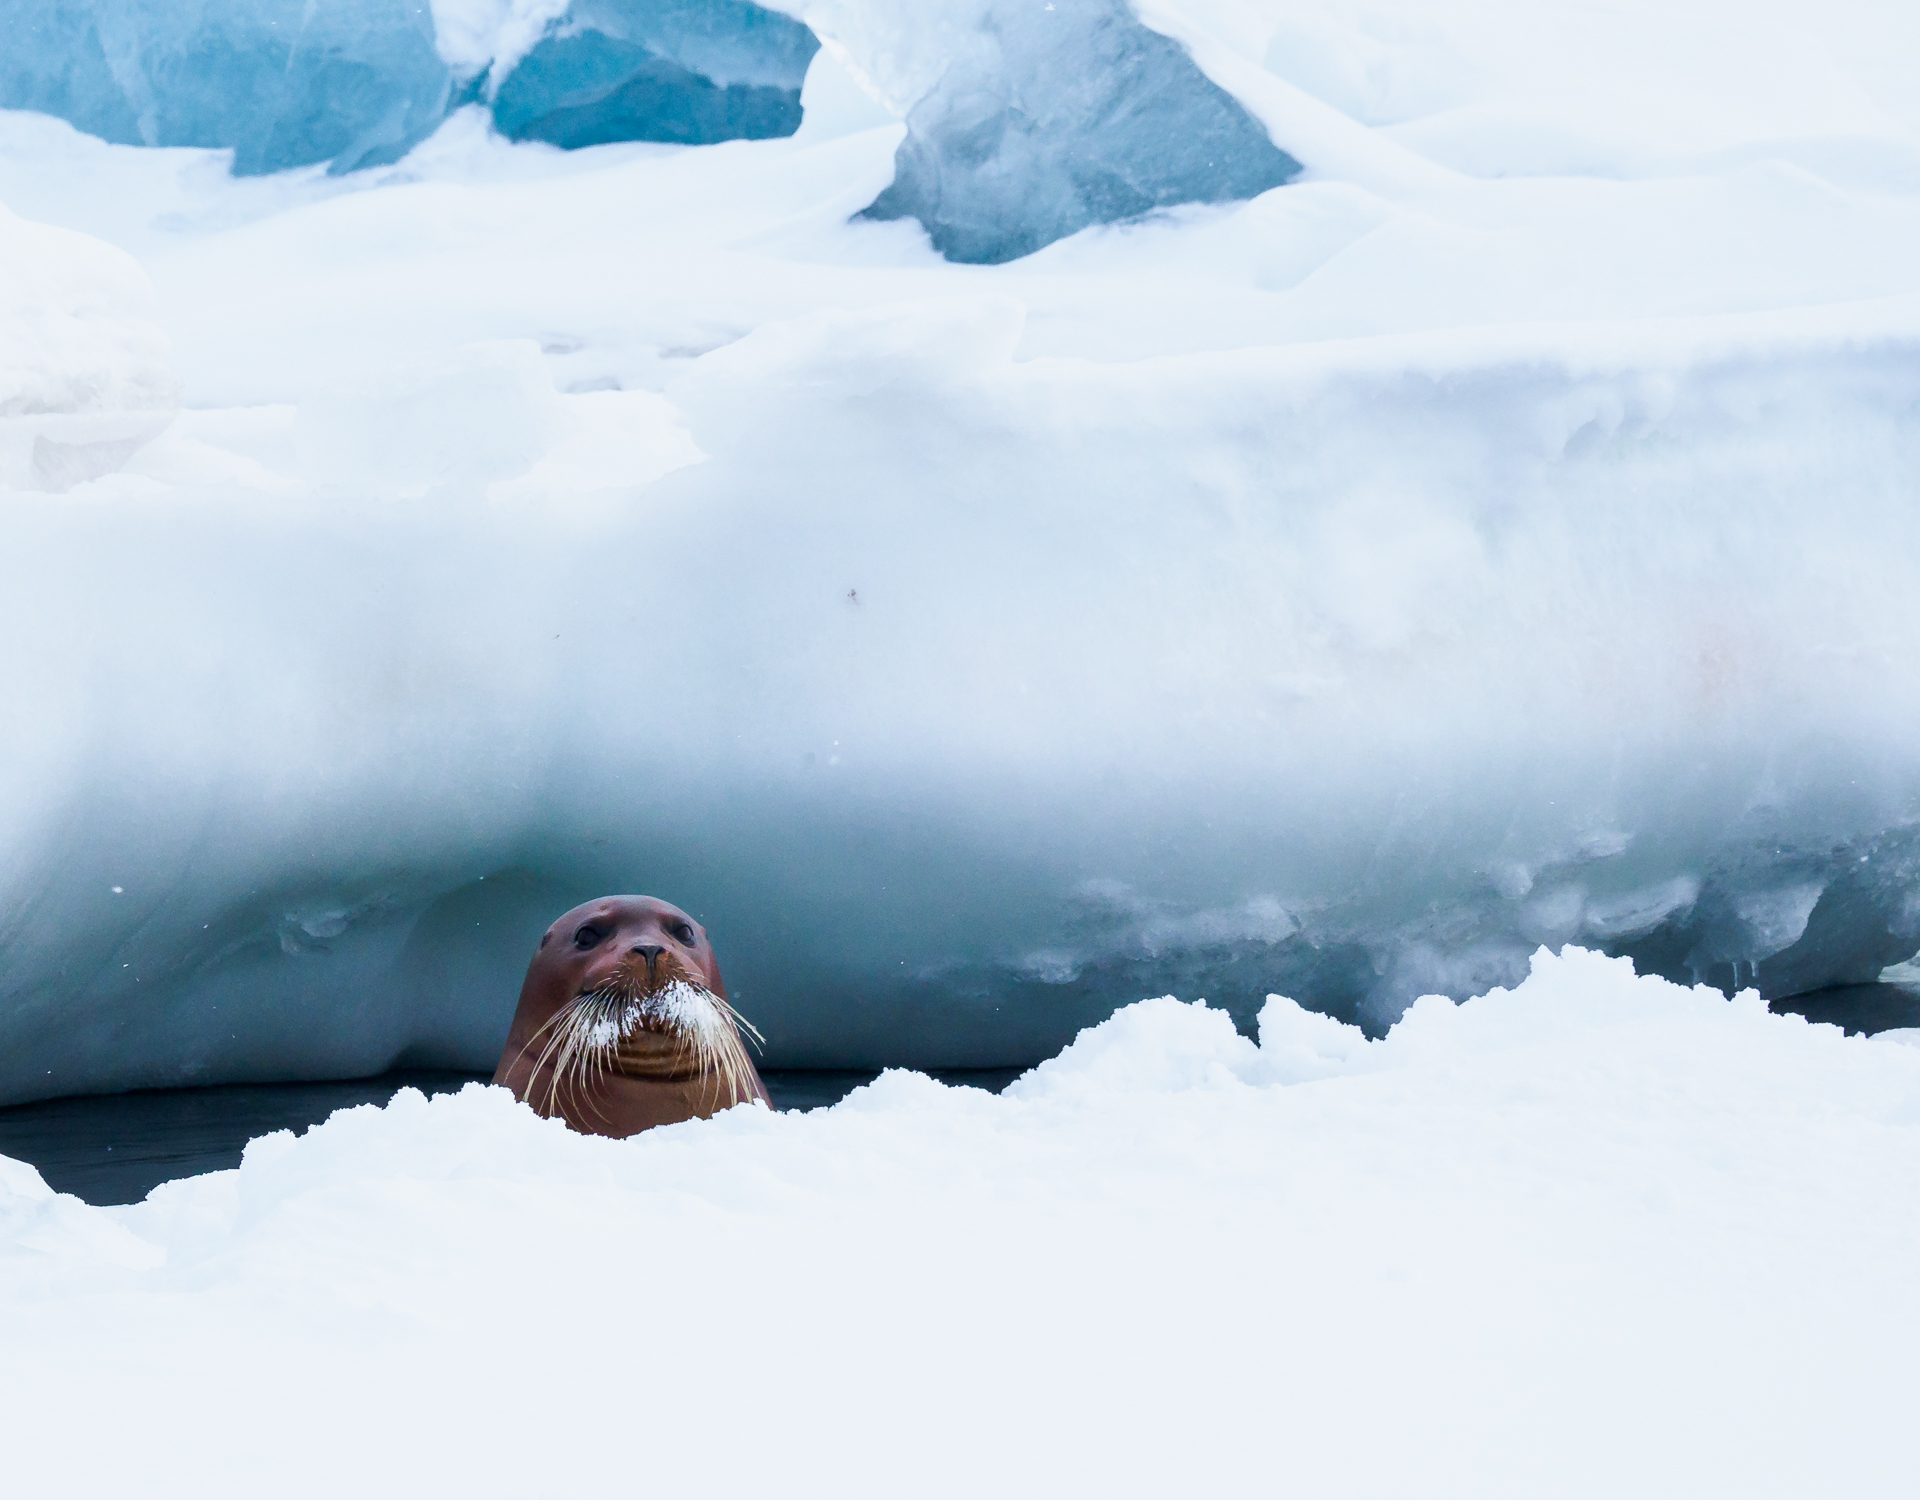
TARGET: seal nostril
(649,951)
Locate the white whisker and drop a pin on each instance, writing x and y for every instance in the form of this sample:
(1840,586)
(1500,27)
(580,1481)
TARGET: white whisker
(587,1032)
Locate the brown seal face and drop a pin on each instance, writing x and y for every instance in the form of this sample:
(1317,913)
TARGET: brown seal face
(624,1022)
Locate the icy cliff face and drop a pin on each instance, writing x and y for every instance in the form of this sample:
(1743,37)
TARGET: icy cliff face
(1027,121)
(284,83)
(963,712)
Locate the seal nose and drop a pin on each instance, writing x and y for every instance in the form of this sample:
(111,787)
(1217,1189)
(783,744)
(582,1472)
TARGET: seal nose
(650,952)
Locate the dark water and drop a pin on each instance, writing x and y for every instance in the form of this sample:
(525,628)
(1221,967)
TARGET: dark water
(1857,1007)
(116,1148)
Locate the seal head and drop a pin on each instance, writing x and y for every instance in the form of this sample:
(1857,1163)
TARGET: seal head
(624,1022)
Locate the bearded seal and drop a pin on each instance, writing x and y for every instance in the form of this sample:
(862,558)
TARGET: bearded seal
(624,1023)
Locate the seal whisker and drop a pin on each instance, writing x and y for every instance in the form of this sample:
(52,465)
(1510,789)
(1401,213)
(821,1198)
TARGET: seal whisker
(586,1034)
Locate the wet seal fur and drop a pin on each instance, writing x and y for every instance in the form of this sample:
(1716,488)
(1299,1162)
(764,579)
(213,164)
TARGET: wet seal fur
(624,1023)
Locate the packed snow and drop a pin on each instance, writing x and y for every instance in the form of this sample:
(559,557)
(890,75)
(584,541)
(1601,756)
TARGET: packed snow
(84,378)
(1501,533)
(1596,1236)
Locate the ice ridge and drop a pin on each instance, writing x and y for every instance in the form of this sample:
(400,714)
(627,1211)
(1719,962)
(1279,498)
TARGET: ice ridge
(1048,119)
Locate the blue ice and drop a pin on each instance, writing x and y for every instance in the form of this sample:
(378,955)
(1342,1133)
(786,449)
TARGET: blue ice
(658,70)
(285,83)
(1057,117)
(357,83)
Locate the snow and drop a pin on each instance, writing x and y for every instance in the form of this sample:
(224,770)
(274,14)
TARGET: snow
(1502,534)
(1597,1235)
(84,378)
(489,37)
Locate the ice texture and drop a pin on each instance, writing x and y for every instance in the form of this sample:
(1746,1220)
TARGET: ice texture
(357,83)
(1045,119)
(284,83)
(1592,1236)
(690,71)
(1505,535)
(84,378)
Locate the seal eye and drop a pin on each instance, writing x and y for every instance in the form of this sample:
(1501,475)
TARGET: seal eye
(683,932)
(588,937)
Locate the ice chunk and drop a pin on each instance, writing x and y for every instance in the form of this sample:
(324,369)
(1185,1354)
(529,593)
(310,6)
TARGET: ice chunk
(84,380)
(477,37)
(284,83)
(691,71)
(1044,119)
(288,83)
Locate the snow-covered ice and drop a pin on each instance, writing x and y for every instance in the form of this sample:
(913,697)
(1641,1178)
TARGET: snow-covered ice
(1043,119)
(1502,534)
(1597,1236)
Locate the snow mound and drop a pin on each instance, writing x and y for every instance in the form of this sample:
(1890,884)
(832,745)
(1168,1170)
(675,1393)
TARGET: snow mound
(1595,1235)
(84,380)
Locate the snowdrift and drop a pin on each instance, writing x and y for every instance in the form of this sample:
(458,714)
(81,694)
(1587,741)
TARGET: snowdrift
(1595,1236)
(84,378)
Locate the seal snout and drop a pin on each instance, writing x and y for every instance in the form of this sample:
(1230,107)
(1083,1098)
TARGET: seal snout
(651,953)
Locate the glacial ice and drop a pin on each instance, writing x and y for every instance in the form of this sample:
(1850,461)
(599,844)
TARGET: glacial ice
(357,83)
(284,83)
(1338,593)
(1044,119)
(1038,122)
(658,70)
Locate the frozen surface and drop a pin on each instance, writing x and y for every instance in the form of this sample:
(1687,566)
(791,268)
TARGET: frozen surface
(1596,1237)
(284,83)
(1503,534)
